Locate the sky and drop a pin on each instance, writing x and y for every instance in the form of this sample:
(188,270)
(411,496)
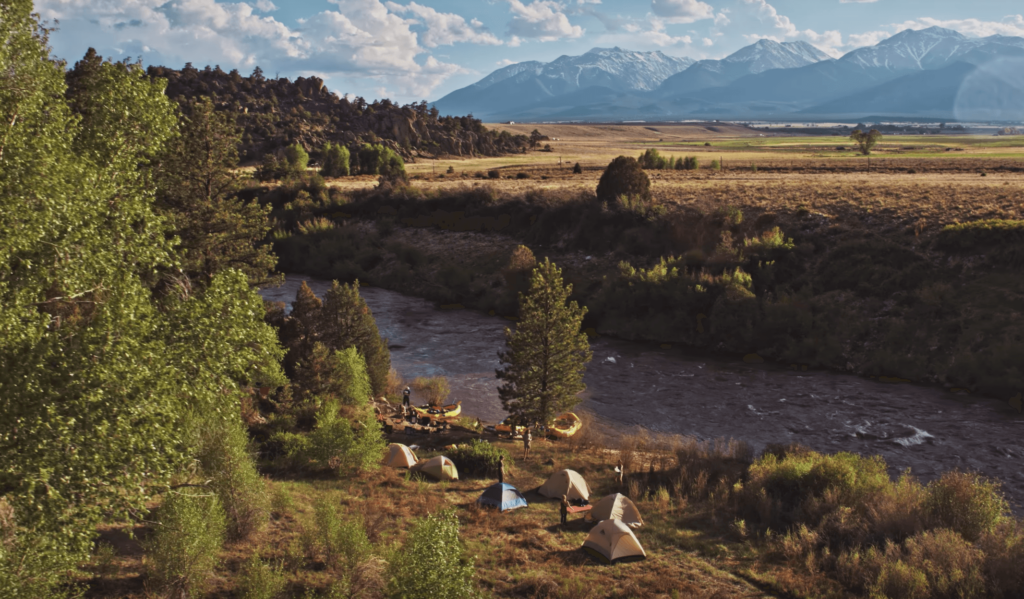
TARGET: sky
(421,50)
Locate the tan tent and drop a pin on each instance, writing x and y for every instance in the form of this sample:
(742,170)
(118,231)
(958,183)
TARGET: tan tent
(440,468)
(568,483)
(611,541)
(399,456)
(617,507)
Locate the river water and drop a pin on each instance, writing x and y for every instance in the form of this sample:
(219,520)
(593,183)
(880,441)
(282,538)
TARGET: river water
(709,396)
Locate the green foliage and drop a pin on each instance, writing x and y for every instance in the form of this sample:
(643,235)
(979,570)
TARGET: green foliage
(225,459)
(432,564)
(348,322)
(184,548)
(260,580)
(335,161)
(1001,241)
(624,177)
(197,187)
(378,159)
(652,159)
(865,140)
(336,538)
(338,376)
(296,160)
(716,165)
(967,503)
(435,388)
(691,163)
(546,356)
(771,241)
(479,458)
(336,444)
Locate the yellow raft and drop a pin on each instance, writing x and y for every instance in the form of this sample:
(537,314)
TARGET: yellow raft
(565,426)
(505,427)
(439,413)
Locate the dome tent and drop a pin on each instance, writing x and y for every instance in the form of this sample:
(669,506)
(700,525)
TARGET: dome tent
(399,456)
(568,483)
(440,468)
(502,496)
(617,507)
(612,541)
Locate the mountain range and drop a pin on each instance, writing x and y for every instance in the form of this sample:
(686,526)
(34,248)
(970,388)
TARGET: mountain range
(931,73)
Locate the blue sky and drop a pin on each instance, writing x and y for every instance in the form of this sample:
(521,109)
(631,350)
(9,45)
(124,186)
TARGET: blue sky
(412,50)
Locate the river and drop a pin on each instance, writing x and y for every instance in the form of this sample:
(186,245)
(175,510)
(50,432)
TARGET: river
(709,396)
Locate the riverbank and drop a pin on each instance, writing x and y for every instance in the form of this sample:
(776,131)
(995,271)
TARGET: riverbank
(705,532)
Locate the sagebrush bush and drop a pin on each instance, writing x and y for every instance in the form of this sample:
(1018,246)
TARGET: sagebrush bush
(260,580)
(479,458)
(624,177)
(432,563)
(183,549)
(952,566)
(967,503)
(1004,554)
(227,461)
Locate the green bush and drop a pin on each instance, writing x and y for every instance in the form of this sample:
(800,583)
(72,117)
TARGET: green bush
(296,159)
(898,580)
(1001,240)
(334,444)
(260,580)
(184,548)
(378,159)
(226,459)
(652,159)
(29,565)
(336,538)
(432,563)
(691,163)
(952,566)
(967,503)
(479,458)
(624,177)
(716,165)
(335,161)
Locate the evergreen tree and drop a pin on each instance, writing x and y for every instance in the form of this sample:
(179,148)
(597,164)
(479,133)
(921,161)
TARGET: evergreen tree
(197,191)
(546,358)
(347,322)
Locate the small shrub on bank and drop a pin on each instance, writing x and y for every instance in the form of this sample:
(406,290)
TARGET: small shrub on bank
(967,503)
(479,458)
(260,580)
(184,548)
(436,389)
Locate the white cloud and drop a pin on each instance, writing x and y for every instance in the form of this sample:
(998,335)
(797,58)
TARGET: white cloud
(857,1)
(360,40)
(445,29)
(543,20)
(722,18)
(656,35)
(829,42)
(504,62)
(682,11)
(708,42)
(1012,25)
(868,38)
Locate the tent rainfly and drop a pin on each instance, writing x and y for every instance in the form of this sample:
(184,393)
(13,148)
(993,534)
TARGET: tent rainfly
(617,507)
(502,496)
(399,456)
(568,483)
(440,468)
(611,541)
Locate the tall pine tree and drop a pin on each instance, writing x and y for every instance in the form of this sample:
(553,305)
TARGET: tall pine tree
(348,322)
(546,358)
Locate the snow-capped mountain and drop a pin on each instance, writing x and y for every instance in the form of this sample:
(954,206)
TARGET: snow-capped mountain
(764,55)
(521,84)
(928,49)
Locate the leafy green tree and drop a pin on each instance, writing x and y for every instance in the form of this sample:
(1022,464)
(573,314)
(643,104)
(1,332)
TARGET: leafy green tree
(624,177)
(535,138)
(184,548)
(296,159)
(104,386)
(348,322)
(378,159)
(865,140)
(338,375)
(432,564)
(335,161)
(546,358)
(198,193)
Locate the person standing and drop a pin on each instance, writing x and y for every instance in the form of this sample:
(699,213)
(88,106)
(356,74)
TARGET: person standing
(406,396)
(527,440)
(501,470)
(621,473)
(564,509)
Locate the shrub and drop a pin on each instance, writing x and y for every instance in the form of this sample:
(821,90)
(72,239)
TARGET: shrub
(435,388)
(451,170)
(183,549)
(951,565)
(522,175)
(336,445)
(378,159)
(225,458)
(652,159)
(577,169)
(1004,554)
(679,165)
(336,538)
(316,226)
(1001,240)
(479,458)
(691,163)
(898,580)
(432,563)
(716,165)
(494,174)
(966,503)
(624,177)
(335,161)
(296,159)
(260,580)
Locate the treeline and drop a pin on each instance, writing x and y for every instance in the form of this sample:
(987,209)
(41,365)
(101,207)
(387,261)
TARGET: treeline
(653,160)
(275,113)
(336,160)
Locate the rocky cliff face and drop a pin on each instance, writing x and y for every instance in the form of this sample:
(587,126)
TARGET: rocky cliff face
(275,113)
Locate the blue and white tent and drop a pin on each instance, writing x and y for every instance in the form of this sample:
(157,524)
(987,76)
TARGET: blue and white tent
(502,496)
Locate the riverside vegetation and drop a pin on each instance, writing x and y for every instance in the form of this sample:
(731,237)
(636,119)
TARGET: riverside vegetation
(165,433)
